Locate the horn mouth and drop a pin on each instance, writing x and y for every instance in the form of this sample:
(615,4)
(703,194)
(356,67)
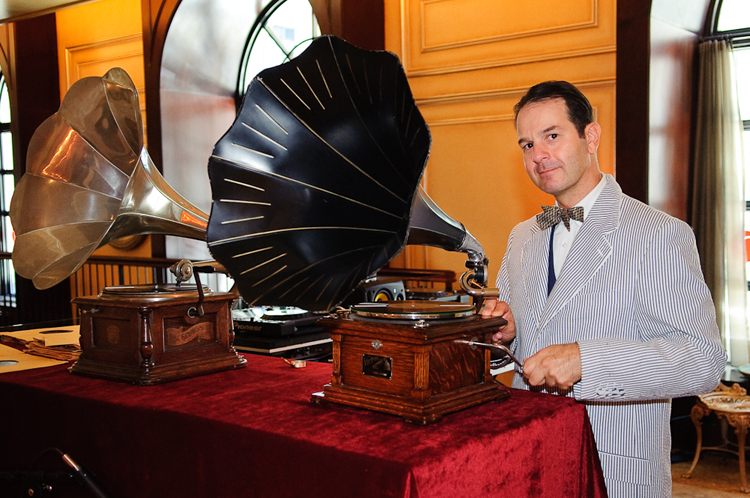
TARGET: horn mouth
(101,176)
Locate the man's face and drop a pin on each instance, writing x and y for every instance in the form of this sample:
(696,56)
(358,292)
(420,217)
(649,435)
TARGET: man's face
(557,159)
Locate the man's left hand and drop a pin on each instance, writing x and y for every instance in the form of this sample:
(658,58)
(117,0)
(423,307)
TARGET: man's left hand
(557,366)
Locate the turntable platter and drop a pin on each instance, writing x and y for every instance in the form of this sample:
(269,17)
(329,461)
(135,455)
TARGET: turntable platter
(153,291)
(284,313)
(413,310)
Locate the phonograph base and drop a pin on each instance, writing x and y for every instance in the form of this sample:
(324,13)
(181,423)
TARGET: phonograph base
(411,369)
(150,338)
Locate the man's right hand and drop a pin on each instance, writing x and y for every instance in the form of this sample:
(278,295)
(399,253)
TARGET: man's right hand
(493,307)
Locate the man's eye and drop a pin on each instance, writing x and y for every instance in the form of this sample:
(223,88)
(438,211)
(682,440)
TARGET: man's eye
(527,146)
(553,136)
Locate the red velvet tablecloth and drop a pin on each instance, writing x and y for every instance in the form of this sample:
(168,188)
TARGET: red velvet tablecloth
(253,432)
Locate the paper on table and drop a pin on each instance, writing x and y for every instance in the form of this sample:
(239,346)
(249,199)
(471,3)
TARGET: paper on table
(13,360)
(49,336)
(64,336)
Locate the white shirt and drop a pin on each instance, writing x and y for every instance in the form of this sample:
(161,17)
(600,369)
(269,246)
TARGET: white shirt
(563,238)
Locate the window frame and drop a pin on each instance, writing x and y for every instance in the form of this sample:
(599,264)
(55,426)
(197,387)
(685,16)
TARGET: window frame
(8,289)
(259,26)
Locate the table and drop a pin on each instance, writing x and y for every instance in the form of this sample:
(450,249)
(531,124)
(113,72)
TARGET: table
(254,432)
(733,406)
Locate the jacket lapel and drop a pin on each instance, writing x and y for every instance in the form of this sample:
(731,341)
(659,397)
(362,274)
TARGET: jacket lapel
(591,248)
(534,264)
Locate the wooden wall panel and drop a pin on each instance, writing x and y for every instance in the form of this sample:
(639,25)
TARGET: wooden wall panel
(453,35)
(92,38)
(95,59)
(468,62)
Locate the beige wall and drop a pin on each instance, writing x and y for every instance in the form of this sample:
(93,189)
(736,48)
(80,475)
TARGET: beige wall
(92,38)
(468,62)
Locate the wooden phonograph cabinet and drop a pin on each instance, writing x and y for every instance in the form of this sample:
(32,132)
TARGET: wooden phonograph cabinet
(412,369)
(145,336)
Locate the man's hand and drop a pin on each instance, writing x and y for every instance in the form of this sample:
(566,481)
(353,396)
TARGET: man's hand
(492,308)
(557,366)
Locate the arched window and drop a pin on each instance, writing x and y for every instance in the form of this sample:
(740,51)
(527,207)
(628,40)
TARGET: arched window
(7,184)
(283,29)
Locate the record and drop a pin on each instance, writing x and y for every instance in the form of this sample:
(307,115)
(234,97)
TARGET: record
(413,310)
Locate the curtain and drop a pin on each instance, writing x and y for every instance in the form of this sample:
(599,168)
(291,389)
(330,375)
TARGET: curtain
(718,195)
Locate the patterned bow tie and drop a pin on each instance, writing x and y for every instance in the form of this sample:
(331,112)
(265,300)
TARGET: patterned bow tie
(552,215)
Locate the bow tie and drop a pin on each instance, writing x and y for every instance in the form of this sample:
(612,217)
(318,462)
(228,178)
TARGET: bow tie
(552,215)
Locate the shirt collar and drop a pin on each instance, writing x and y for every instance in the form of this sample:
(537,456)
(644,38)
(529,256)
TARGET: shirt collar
(588,202)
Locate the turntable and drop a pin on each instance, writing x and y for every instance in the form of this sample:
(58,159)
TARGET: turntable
(402,358)
(181,331)
(273,321)
(284,331)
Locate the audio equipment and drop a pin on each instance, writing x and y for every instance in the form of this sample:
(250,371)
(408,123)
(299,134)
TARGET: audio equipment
(89,180)
(315,187)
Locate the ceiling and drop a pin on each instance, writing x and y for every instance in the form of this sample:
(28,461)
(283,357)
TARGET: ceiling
(13,10)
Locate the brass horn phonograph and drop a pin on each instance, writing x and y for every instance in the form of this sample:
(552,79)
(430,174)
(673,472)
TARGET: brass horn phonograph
(90,180)
(315,187)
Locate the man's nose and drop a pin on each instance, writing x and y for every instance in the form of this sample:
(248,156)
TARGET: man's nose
(539,153)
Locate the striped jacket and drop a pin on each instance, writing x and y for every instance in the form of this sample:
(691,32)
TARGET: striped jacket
(631,294)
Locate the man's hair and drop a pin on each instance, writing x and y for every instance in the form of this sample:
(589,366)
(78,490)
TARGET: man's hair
(579,107)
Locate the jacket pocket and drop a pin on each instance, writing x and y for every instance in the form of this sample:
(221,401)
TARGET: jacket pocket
(626,468)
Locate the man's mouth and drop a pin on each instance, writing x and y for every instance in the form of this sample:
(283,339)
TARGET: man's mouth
(546,168)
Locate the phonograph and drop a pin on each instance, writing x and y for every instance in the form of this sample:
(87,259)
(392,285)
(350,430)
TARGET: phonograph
(90,180)
(315,187)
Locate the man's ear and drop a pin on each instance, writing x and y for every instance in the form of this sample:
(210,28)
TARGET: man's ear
(592,133)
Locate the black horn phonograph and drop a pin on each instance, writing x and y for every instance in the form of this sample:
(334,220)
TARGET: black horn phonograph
(313,183)
(315,187)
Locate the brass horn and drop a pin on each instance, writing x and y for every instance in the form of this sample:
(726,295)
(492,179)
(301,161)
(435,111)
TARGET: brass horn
(89,180)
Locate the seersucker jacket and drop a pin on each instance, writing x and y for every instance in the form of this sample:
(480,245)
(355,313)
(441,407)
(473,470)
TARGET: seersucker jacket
(632,295)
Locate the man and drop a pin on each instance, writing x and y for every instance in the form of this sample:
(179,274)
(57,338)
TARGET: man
(612,309)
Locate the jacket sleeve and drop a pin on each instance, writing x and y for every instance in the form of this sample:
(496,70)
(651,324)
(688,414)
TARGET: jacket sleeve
(679,352)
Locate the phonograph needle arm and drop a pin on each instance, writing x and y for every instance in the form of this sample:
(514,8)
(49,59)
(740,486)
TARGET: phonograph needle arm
(474,280)
(499,347)
(184,270)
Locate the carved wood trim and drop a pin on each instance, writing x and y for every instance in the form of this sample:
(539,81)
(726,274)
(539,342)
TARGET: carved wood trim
(116,48)
(591,22)
(552,56)
(517,91)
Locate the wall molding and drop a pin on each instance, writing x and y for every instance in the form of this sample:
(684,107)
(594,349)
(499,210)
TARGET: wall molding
(504,92)
(102,51)
(591,22)
(415,71)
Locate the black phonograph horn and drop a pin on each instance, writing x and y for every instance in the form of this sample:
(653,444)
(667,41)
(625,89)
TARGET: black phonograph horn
(315,183)
(315,186)
(89,180)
